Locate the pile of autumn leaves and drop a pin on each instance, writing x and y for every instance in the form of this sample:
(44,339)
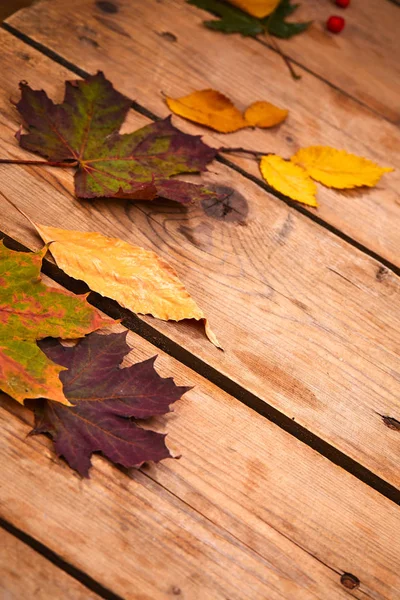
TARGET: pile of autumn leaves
(82,397)
(84,400)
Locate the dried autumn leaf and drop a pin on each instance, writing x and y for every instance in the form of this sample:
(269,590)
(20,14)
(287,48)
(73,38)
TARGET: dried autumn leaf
(289,179)
(103,396)
(137,279)
(84,130)
(256,8)
(338,168)
(210,108)
(30,311)
(264,114)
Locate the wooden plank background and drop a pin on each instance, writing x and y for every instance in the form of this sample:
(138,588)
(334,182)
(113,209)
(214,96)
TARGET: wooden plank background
(311,324)
(363,61)
(310,329)
(143,63)
(26,574)
(248,511)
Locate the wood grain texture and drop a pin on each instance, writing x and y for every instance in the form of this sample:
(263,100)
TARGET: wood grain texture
(247,512)
(309,324)
(26,574)
(132,45)
(363,61)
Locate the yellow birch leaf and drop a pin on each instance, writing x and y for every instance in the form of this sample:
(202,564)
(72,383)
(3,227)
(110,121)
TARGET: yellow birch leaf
(289,179)
(256,8)
(264,114)
(210,108)
(338,168)
(137,279)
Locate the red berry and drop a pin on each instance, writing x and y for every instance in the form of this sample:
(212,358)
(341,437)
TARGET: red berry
(335,24)
(342,3)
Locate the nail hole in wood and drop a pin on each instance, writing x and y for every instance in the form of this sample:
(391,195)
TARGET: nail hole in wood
(107,7)
(349,581)
(167,35)
(391,423)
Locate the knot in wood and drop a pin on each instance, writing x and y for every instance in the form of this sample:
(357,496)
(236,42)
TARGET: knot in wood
(229,206)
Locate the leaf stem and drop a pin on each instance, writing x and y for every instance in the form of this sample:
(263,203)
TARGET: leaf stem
(278,49)
(16,161)
(287,61)
(253,153)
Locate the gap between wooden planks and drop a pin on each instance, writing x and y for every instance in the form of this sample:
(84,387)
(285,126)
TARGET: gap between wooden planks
(246,512)
(143,63)
(309,323)
(26,574)
(363,61)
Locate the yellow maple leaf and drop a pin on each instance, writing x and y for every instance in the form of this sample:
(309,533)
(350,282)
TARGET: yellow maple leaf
(256,8)
(289,179)
(338,168)
(264,114)
(210,108)
(136,278)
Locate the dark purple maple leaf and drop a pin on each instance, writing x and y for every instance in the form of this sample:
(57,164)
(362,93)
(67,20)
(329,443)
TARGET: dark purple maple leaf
(84,130)
(105,396)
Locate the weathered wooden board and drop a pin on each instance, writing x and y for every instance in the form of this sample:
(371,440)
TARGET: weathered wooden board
(247,511)
(309,324)
(364,60)
(152,47)
(26,574)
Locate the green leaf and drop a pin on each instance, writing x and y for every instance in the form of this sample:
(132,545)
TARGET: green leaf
(285,8)
(233,20)
(31,311)
(84,130)
(276,24)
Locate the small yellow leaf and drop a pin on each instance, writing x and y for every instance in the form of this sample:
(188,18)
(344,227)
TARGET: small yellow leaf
(264,114)
(289,179)
(210,108)
(137,279)
(338,168)
(256,8)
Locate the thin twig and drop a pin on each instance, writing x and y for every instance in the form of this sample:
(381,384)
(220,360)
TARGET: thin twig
(278,49)
(253,153)
(46,163)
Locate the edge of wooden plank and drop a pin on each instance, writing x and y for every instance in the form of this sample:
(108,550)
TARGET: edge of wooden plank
(94,43)
(19,552)
(212,505)
(229,500)
(136,106)
(289,49)
(169,346)
(268,410)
